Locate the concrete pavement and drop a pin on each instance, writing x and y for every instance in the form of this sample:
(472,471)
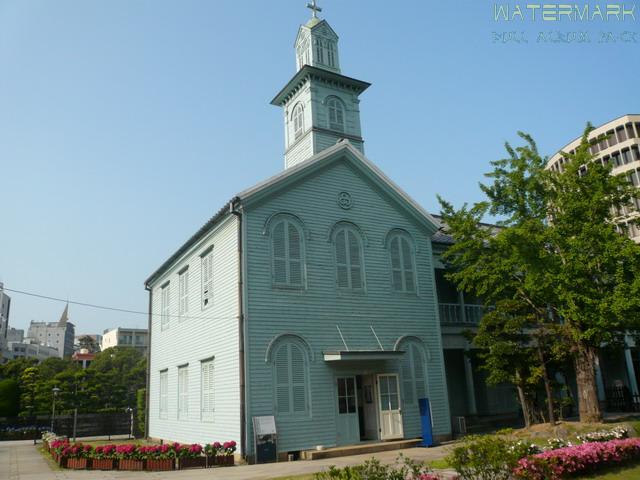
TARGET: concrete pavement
(22,461)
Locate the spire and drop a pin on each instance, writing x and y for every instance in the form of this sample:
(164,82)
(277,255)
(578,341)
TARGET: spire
(64,318)
(314,8)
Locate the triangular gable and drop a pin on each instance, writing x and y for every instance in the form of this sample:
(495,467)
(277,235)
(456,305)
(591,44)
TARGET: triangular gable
(315,26)
(342,149)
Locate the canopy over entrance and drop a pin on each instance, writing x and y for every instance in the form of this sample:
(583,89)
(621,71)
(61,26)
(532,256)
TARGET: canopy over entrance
(362,355)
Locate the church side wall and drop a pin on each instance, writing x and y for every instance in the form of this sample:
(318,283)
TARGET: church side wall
(209,333)
(314,313)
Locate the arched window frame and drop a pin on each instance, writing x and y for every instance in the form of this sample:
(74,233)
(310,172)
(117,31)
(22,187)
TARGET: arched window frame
(289,223)
(297,120)
(404,277)
(413,387)
(345,267)
(289,356)
(336,113)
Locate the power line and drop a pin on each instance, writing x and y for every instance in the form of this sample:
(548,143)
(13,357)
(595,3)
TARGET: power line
(114,309)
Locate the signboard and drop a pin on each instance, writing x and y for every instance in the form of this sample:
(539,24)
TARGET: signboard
(264,439)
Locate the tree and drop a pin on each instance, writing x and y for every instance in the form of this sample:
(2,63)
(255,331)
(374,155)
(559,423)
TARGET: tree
(597,273)
(88,342)
(557,253)
(9,397)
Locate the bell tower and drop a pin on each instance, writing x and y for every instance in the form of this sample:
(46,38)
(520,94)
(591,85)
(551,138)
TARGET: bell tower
(320,105)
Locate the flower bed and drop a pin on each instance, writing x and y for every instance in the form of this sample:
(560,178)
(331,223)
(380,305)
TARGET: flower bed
(578,459)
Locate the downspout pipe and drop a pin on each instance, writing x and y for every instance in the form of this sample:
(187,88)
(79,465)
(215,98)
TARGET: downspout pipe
(146,392)
(235,208)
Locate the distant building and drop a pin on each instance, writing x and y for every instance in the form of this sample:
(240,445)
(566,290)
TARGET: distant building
(83,357)
(125,337)
(30,349)
(15,335)
(58,334)
(5,304)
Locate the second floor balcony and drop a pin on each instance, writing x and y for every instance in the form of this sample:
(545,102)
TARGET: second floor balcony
(460,314)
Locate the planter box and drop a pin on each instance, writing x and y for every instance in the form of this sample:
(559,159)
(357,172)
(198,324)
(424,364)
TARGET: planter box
(128,464)
(102,464)
(60,460)
(160,465)
(197,462)
(77,463)
(225,460)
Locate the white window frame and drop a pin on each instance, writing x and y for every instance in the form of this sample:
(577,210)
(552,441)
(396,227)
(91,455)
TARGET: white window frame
(297,118)
(206,297)
(163,387)
(207,395)
(288,261)
(183,391)
(347,229)
(165,306)
(336,114)
(183,292)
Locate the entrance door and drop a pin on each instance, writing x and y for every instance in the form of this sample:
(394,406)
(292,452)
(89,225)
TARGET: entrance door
(347,428)
(389,403)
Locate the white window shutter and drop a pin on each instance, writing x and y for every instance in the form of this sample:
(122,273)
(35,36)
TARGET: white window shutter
(294,245)
(298,377)
(341,259)
(355,261)
(408,266)
(418,370)
(282,356)
(279,252)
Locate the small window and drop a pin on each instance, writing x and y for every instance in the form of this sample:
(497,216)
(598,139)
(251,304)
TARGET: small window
(183,284)
(319,50)
(612,138)
(336,114)
(164,393)
(622,136)
(183,391)
(403,277)
(298,121)
(287,254)
(207,386)
(630,132)
(290,379)
(165,307)
(349,264)
(331,55)
(207,279)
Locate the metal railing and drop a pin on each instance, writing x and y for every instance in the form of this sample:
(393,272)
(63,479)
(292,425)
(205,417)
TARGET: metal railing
(458,314)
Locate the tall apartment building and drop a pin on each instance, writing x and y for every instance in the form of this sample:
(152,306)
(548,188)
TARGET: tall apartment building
(59,335)
(621,149)
(5,306)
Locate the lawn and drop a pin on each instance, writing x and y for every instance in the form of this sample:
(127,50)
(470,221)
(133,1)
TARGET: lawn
(628,473)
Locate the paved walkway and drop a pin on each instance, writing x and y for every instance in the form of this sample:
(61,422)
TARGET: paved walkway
(22,461)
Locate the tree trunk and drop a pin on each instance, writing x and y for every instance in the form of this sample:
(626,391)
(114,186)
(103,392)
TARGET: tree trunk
(547,387)
(526,411)
(585,364)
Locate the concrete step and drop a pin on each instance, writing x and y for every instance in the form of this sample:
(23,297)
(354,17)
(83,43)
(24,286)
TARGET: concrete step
(359,449)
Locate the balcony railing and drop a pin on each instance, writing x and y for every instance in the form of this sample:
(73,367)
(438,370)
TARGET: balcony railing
(457,314)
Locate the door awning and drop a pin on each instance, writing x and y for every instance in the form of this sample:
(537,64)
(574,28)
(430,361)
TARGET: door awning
(362,355)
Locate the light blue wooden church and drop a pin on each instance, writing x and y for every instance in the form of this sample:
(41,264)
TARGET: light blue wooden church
(310,296)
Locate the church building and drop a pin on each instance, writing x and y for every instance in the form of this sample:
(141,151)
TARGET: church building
(310,297)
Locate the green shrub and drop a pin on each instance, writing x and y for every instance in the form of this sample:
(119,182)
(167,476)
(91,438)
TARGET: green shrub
(404,469)
(487,457)
(9,398)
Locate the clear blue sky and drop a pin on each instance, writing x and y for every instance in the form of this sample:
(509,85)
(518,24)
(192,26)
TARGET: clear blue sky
(125,124)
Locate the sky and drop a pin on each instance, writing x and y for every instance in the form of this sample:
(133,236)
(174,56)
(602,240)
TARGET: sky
(126,124)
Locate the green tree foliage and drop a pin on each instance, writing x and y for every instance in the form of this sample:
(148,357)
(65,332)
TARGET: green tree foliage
(110,383)
(9,397)
(556,271)
(89,343)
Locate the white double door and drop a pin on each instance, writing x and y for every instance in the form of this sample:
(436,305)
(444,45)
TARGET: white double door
(390,412)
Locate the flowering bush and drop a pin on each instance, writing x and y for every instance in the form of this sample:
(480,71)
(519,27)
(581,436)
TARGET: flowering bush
(556,443)
(59,445)
(77,450)
(128,452)
(228,448)
(404,469)
(487,457)
(212,449)
(157,452)
(104,452)
(187,451)
(617,433)
(578,459)
(522,449)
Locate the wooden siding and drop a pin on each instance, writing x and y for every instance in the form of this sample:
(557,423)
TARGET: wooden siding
(191,340)
(314,313)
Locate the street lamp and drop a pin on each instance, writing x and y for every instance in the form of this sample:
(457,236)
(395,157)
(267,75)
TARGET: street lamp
(55,391)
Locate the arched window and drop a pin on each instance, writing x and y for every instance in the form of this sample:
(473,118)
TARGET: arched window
(336,114)
(403,275)
(290,378)
(349,264)
(319,50)
(287,251)
(298,121)
(413,369)
(331,57)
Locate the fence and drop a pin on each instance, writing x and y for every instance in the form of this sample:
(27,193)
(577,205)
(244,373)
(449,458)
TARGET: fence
(620,399)
(86,425)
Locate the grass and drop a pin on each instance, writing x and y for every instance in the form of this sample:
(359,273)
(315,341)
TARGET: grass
(622,473)
(296,477)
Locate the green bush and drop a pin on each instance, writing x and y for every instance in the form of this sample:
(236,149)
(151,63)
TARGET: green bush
(9,398)
(141,396)
(487,457)
(404,469)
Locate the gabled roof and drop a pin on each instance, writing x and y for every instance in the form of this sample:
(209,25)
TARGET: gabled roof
(342,150)
(312,24)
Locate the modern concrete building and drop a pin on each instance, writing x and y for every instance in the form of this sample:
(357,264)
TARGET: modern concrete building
(15,335)
(125,337)
(5,307)
(621,150)
(59,335)
(30,349)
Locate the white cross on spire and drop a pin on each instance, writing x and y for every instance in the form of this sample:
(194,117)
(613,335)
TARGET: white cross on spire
(314,8)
